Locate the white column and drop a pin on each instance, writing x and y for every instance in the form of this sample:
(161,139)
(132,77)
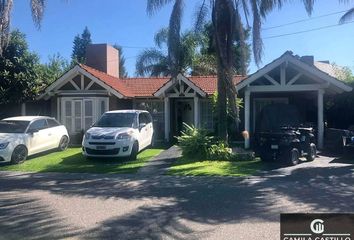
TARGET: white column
(247,116)
(320,123)
(23,109)
(196,111)
(167,118)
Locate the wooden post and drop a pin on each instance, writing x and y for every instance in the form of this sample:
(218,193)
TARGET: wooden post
(247,116)
(320,123)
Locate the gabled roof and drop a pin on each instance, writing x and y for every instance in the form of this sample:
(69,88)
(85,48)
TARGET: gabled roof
(288,57)
(139,86)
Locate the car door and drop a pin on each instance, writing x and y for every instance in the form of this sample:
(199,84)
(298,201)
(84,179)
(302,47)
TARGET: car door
(143,137)
(38,136)
(54,133)
(149,127)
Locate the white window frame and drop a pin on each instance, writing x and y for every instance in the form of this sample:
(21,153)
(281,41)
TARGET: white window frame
(96,113)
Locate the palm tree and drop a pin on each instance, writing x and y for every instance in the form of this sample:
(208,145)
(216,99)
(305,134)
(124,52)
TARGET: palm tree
(37,9)
(227,24)
(155,62)
(347,16)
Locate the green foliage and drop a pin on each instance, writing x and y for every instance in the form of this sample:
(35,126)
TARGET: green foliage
(54,69)
(80,44)
(194,142)
(197,144)
(219,151)
(20,71)
(155,62)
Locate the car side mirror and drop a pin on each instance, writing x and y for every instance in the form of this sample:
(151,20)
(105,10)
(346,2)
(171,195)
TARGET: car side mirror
(142,125)
(31,131)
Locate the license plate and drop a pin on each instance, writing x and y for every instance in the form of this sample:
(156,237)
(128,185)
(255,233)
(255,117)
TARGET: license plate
(100,147)
(274,146)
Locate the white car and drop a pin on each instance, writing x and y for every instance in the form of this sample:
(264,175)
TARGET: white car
(121,133)
(24,136)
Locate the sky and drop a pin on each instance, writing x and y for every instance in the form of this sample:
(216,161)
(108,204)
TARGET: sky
(127,24)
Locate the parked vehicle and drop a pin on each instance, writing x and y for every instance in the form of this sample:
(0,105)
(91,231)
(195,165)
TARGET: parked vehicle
(282,137)
(21,137)
(121,133)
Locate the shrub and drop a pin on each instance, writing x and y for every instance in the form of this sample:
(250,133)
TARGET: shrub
(219,151)
(194,142)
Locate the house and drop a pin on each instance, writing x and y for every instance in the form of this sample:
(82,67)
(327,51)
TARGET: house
(82,94)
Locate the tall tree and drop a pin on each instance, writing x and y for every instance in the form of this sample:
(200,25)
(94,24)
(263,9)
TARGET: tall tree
(54,69)
(80,44)
(347,16)
(122,69)
(227,24)
(155,62)
(19,75)
(37,9)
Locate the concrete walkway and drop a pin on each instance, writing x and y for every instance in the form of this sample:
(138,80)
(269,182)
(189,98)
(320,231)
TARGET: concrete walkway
(160,164)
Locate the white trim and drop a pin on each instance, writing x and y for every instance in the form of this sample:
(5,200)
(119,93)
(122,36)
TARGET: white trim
(67,77)
(89,85)
(282,74)
(167,118)
(270,79)
(180,78)
(247,117)
(286,88)
(196,112)
(82,82)
(294,79)
(23,109)
(74,84)
(312,70)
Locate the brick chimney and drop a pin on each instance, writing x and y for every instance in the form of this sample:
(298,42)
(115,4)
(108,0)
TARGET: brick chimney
(307,59)
(103,57)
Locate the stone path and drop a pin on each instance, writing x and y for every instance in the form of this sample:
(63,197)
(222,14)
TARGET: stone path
(160,164)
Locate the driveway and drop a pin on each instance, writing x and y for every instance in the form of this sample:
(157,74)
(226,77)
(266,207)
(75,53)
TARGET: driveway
(83,206)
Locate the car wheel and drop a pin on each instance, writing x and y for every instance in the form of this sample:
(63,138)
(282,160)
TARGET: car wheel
(293,157)
(311,154)
(64,143)
(19,154)
(134,153)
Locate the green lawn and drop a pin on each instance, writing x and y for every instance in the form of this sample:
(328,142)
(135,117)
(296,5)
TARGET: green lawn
(190,167)
(72,160)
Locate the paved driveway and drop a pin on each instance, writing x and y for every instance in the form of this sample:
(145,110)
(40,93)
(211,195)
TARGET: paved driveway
(54,206)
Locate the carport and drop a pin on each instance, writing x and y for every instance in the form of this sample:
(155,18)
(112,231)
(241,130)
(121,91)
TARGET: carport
(292,80)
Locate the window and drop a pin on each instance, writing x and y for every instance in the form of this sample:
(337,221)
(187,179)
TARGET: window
(206,114)
(52,123)
(157,112)
(142,118)
(38,125)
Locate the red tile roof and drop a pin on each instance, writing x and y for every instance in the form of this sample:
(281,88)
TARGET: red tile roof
(146,87)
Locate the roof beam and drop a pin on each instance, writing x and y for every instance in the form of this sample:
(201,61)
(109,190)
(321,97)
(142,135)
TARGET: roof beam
(294,79)
(270,79)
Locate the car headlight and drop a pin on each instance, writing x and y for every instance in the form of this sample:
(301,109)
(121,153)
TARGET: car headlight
(4,145)
(124,136)
(87,135)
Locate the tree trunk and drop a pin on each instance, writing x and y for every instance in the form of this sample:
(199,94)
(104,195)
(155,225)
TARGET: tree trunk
(222,105)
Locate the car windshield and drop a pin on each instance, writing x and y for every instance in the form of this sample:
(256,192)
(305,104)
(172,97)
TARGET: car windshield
(8,126)
(117,120)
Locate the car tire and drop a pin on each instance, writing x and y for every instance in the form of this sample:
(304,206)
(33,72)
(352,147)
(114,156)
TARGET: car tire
(134,152)
(19,154)
(64,143)
(293,157)
(312,151)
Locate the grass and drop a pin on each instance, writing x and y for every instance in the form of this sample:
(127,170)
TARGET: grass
(185,166)
(72,161)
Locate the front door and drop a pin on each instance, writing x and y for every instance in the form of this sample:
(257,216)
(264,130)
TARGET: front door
(184,113)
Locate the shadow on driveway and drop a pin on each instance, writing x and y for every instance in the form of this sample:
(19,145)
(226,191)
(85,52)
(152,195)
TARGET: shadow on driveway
(204,200)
